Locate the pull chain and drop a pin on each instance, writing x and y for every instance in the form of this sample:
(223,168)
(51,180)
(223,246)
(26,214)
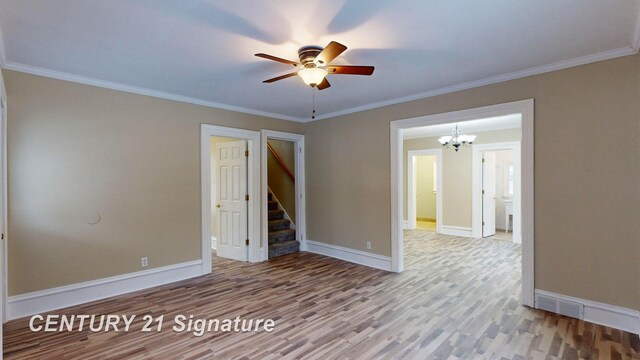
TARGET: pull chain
(313,98)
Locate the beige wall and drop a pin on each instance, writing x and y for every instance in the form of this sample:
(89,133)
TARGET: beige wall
(456,173)
(76,150)
(587,171)
(425,196)
(279,182)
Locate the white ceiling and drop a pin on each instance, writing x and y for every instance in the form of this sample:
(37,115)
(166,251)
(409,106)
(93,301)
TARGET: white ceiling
(468,127)
(202,51)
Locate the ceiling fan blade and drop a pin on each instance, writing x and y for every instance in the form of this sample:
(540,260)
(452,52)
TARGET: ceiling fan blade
(350,70)
(324,84)
(280,77)
(329,53)
(275,58)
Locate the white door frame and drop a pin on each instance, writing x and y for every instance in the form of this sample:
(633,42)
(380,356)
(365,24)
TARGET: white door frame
(299,171)
(476,186)
(253,187)
(4,265)
(523,107)
(412,186)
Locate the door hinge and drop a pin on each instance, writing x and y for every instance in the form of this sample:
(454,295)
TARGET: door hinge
(483,223)
(482,192)
(247,242)
(2,237)
(246,153)
(482,159)
(246,197)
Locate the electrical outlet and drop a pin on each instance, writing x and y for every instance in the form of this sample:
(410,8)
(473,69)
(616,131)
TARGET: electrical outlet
(144,261)
(369,245)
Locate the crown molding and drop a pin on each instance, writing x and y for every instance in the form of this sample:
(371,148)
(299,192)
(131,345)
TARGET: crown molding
(139,90)
(606,55)
(480,130)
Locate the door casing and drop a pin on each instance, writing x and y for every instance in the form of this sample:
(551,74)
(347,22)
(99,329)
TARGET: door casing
(476,186)
(253,188)
(523,107)
(299,173)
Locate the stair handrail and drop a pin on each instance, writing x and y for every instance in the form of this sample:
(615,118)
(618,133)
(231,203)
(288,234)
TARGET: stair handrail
(284,167)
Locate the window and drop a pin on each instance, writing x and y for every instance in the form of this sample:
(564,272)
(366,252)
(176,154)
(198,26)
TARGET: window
(509,187)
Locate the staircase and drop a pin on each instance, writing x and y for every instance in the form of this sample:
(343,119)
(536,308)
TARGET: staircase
(282,238)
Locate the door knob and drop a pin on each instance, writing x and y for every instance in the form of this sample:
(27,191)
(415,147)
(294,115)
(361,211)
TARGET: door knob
(217,205)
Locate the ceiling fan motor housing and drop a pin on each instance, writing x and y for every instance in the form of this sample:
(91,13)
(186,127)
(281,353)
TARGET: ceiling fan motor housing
(308,53)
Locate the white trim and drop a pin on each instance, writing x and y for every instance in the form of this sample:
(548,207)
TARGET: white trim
(475,130)
(355,256)
(3,54)
(299,174)
(64,296)
(5,209)
(636,34)
(600,313)
(524,107)
(405,224)
(214,243)
(253,188)
(601,56)
(476,186)
(412,186)
(140,90)
(456,231)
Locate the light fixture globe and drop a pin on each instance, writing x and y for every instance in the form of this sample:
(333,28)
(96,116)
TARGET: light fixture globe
(312,76)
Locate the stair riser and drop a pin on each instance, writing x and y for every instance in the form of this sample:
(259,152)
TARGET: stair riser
(276,215)
(281,238)
(274,252)
(278,227)
(273,205)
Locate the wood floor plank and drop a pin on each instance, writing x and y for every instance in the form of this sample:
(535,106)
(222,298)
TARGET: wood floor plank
(457,299)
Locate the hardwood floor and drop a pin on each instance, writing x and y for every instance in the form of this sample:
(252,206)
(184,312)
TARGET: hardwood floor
(457,299)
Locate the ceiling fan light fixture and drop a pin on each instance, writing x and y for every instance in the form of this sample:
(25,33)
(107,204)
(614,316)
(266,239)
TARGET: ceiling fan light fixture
(312,76)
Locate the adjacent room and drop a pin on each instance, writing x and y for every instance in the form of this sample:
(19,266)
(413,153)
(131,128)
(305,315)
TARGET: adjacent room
(339,179)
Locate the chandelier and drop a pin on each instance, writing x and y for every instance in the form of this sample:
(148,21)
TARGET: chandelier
(457,139)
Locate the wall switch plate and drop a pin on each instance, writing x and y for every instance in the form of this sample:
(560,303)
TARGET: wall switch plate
(369,245)
(144,261)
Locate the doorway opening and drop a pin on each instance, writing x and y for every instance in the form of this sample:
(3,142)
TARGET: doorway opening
(424,197)
(460,215)
(497,191)
(230,170)
(283,194)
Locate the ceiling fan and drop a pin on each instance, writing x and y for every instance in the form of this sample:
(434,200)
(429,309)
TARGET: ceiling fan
(315,65)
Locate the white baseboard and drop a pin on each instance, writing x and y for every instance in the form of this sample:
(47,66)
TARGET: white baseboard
(64,296)
(600,313)
(214,243)
(456,231)
(350,255)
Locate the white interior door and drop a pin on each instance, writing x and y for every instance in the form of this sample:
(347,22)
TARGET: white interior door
(231,179)
(488,194)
